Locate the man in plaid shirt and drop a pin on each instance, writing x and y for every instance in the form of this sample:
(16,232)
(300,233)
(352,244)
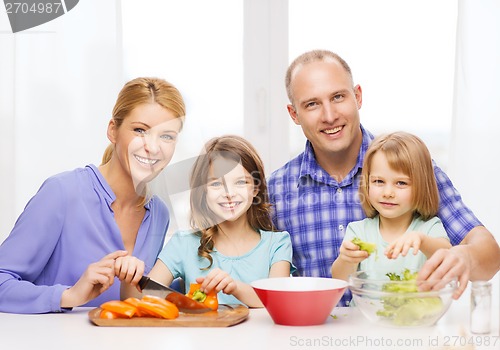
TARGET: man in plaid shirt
(315,195)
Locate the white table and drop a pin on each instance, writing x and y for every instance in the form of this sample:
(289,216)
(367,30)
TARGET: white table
(349,330)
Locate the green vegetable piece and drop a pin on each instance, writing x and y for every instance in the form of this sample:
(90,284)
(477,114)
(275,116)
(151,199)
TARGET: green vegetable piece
(417,309)
(198,295)
(393,276)
(404,310)
(408,276)
(366,246)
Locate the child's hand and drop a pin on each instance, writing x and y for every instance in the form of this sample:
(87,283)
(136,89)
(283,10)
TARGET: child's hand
(129,269)
(219,280)
(350,253)
(403,244)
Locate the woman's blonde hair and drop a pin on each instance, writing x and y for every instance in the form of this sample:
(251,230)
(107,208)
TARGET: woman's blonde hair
(140,91)
(236,150)
(408,154)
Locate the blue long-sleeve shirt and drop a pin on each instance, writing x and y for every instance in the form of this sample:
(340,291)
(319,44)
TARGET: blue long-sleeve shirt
(65,227)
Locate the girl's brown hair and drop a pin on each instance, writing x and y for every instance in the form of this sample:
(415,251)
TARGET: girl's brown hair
(408,154)
(237,150)
(140,91)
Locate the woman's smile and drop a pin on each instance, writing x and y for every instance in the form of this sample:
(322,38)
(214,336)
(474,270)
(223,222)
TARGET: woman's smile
(146,161)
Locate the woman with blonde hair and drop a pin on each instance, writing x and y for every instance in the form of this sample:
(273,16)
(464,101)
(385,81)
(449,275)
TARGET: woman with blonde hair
(400,198)
(64,247)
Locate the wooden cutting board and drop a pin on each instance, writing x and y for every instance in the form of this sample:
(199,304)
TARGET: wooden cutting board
(225,316)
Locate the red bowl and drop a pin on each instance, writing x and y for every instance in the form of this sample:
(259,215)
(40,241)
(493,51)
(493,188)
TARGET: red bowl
(299,301)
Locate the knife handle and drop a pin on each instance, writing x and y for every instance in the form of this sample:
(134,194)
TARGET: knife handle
(143,282)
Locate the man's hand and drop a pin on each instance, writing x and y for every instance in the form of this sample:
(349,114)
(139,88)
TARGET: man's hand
(477,257)
(446,264)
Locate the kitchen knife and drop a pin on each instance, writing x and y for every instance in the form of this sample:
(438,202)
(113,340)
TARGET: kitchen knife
(183,303)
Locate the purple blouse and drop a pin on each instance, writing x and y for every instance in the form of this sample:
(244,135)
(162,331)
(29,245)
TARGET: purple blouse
(65,227)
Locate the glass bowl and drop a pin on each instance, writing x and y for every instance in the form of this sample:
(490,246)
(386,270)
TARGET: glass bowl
(400,303)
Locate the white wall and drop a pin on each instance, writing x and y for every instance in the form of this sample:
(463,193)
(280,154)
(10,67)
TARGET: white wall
(58,83)
(475,151)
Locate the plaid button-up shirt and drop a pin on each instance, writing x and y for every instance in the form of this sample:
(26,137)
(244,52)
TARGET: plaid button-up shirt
(316,209)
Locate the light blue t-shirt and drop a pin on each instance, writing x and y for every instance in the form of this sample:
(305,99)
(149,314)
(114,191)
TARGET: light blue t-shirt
(180,255)
(368,230)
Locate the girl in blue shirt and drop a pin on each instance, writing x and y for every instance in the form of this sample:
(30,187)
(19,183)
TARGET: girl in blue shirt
(233,242)
(400,198)
(63,248)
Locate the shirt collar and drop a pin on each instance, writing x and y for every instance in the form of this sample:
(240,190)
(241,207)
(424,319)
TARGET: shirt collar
(101,184)
(104,187)
(311,170)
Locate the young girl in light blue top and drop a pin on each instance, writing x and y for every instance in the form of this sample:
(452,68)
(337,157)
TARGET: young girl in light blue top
(400,198)
(233,242)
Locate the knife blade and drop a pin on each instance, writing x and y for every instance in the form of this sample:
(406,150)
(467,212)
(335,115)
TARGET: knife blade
(183,303)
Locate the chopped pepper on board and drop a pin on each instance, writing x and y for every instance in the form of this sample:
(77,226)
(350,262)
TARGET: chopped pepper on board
(110,315)
(135,302)
(158,310)
(120,307)
(148,306)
